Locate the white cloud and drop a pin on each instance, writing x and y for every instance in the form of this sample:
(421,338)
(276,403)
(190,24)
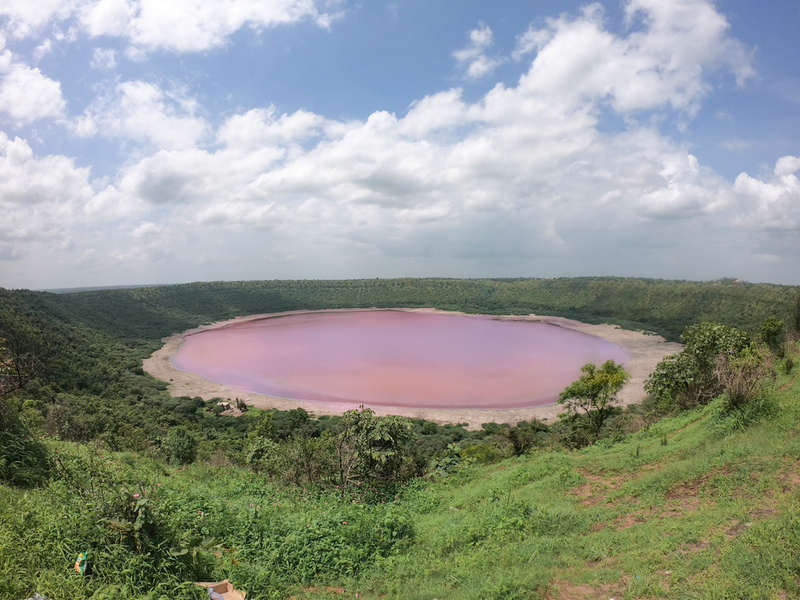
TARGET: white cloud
(27,94)
(104,58)
(177,25)
(531,40)
(39,197)
(192,25)
(521,175)
(26,16)
(260,127)
(787,165)
(663,63)
(141,111)
(473,57)
(772,205)
(43,49)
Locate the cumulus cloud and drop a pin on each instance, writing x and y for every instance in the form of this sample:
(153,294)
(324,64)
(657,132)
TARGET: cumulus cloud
(522,174)
(192,25)
(665,62)
(39,197)
(772,205)
(26,17)
(264,127)
(179,25)
(138,110)
(43,49)
(27,94)
(473,57)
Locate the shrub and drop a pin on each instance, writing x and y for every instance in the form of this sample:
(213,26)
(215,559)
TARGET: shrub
(728,419)
(181,445)
(689,378)
(745,376)
(24,461)
(526,435)
(481,452)
(772,333)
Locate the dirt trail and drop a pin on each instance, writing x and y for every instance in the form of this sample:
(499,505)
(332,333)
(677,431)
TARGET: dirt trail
(645,352)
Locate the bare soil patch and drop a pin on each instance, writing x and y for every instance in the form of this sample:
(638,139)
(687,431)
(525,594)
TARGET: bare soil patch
(597,488)
(645,352)
(695,547)
(564,590)
(683,492)
(629,520)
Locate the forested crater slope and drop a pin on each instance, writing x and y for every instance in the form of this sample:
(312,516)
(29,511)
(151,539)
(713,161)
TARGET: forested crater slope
(665,307)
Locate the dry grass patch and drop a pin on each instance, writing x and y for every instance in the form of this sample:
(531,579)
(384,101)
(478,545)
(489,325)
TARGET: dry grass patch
(323,590)
(694,547)
(565,590)
(597,488)
(692,489)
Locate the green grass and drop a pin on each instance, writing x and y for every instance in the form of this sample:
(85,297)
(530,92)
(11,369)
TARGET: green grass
(710,515)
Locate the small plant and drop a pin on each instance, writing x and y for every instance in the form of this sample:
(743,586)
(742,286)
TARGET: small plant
(727,420)
(24,461)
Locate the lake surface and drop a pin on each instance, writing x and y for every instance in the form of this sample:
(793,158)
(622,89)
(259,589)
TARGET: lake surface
(396,358)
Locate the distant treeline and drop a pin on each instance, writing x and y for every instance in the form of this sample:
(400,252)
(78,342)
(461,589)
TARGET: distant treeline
(661,306)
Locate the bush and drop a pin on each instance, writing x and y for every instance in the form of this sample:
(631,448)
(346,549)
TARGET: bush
(526,435)
(482,453)
(24,461)
(690,378)
(728,418)
(745,376)
(181,445)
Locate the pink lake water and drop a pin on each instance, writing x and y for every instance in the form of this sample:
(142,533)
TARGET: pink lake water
(396,358)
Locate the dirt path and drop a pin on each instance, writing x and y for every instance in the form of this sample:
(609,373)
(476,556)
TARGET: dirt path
(645,352)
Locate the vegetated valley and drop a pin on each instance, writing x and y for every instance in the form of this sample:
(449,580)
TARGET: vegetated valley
(695,493)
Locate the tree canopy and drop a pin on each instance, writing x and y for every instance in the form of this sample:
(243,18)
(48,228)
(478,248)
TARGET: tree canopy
(595,392)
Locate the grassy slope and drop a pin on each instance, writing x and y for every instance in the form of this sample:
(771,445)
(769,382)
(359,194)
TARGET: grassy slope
(604,521)
(706,516)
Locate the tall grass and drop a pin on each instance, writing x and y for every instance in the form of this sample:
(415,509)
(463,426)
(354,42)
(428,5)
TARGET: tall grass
(684,509)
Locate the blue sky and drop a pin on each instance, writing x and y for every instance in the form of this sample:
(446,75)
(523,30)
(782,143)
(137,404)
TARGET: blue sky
(151,142)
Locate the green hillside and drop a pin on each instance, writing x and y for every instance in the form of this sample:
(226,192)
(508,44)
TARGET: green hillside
(676,498)
(666,307)
(708,514)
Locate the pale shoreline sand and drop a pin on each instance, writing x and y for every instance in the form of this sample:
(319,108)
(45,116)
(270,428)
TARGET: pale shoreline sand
(645,352)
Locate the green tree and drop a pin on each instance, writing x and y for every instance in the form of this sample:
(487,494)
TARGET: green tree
(796,315)
(595,393)
(261,448)
(525,435)
(772,334)
(24,354)
(263,427)
(370,448)
(690,377)
(181,445)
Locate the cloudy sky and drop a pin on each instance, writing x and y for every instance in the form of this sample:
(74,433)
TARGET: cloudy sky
(145,141)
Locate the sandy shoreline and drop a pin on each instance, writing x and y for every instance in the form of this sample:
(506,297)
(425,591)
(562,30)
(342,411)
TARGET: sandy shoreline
(645,352)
